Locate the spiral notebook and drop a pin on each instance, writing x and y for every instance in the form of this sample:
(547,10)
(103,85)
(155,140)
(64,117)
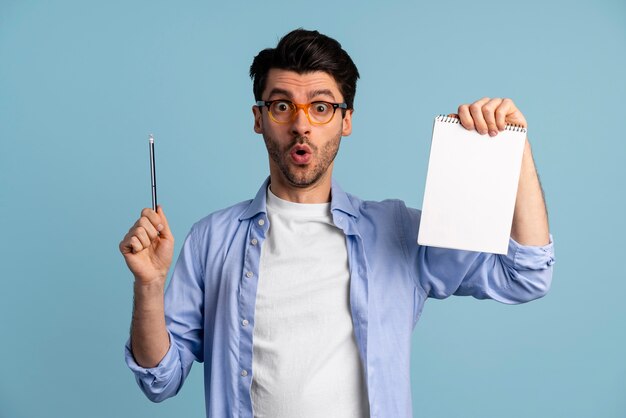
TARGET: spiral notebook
(471,187)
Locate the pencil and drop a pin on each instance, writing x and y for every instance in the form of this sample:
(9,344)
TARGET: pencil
(152,173)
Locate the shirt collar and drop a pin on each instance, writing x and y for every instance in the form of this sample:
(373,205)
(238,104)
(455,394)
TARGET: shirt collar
(340,200)
(258,204)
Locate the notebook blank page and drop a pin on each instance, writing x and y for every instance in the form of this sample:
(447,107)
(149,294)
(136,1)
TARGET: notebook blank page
(470,190)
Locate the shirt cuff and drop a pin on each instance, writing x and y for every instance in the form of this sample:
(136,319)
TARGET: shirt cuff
(159,373)
(531,257)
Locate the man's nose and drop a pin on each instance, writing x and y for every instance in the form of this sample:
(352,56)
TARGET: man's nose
(301,124)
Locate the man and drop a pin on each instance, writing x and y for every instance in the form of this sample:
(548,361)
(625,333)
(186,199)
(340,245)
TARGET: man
(301,302)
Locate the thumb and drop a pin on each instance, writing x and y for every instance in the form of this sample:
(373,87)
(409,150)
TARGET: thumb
(165,233)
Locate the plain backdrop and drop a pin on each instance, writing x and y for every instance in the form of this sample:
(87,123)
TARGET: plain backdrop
(82,83)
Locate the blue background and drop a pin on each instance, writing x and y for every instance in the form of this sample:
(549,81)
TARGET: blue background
(83,83)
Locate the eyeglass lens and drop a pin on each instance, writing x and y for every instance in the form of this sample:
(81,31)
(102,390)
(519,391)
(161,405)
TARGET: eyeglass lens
(318,112)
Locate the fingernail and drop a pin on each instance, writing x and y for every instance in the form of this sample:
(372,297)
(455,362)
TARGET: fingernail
(482,132)
(159,227)
(493,133)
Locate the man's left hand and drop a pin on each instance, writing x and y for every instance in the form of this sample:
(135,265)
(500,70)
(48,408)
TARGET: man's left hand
(490,115)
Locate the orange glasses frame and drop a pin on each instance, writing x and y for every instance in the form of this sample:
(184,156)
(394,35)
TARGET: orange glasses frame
(305,107)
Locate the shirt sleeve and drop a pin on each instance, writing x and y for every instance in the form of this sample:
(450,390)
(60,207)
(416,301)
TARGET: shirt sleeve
(184,320)
(522,275)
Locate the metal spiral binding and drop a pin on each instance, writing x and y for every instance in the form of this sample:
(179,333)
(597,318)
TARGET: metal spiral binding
(515,128)
(448,119)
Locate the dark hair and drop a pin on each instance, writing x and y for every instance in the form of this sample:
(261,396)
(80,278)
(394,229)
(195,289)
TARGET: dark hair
(306,51)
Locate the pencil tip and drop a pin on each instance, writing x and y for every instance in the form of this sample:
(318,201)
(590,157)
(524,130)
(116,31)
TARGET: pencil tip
(151,138)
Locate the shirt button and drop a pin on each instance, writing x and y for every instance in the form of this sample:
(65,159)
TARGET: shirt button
(244,373)
(254,241)
(249,274)
(261,222)
(245,322)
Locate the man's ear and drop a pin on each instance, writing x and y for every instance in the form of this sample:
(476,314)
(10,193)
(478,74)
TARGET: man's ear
(258,119)
(347,123)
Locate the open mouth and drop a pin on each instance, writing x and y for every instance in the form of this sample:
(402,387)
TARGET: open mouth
(300,154)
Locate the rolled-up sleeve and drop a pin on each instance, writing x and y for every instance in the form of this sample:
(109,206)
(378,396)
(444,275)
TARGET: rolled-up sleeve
(522,275)
(155,382)
(184,320)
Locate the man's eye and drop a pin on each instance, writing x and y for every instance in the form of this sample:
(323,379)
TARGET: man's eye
(321,107)
(282,107)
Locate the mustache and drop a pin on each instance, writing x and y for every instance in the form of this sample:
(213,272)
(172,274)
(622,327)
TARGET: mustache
(301,140)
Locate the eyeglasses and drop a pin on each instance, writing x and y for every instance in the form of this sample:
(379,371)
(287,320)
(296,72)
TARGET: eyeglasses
(285,111)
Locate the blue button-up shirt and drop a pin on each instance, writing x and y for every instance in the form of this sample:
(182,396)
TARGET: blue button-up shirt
(210,300)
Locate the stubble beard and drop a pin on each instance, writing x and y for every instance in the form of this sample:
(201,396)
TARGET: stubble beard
(303,176)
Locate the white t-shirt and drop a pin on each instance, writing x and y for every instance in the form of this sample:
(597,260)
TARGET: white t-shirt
(305,358)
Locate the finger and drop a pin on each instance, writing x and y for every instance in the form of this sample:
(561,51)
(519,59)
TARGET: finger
(477,115)
(143,237)
(153,217)
(165,231)
(125,246)
(135,245)
(506,108)
(466,117)
(150,229)
(489,113)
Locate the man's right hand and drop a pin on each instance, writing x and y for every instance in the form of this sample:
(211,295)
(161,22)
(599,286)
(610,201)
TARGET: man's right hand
(148,247)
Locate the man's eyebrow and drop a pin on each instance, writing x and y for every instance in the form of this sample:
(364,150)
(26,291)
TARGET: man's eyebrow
(281,92)
(321,92)
(311,95)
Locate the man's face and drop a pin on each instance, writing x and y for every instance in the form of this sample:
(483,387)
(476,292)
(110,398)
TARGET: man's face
(301,153)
